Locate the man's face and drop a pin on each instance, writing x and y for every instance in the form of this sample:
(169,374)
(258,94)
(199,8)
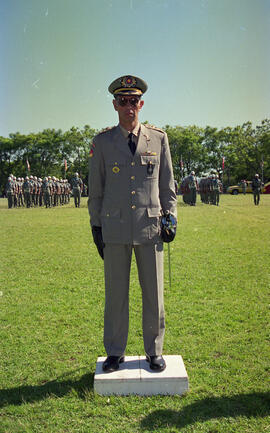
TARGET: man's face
(128,107)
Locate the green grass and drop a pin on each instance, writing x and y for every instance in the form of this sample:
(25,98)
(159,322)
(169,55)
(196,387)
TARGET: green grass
(217,318)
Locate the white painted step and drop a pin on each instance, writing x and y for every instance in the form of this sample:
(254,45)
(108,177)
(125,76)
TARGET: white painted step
(135,377)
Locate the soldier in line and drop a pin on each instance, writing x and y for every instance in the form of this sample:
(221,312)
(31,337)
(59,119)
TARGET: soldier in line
(193,186)
(203,187)
(46,191)
(256,189)
(77,185)
(215,189)
(20,192)
(130,185)
(27,188)
(10,192)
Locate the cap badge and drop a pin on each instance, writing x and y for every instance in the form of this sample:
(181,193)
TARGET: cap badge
(116,169)
(128,81)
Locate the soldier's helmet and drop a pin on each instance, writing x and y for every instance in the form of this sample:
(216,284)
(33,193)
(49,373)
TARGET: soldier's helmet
(256,175)
(193,173)
(31,177)
(9,178)
(26,178)
(22,178)
(19,178)
(76,174)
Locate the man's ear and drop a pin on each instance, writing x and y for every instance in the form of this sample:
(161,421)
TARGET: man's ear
(141,103)
(115,104)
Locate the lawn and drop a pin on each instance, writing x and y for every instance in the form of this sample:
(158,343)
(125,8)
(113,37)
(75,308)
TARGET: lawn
(217,318)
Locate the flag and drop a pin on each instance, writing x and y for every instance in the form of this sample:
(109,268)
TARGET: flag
(65,164)
(28,165)
(223,162)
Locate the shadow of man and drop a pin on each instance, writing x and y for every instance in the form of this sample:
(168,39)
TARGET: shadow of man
(249,405)
(59,388)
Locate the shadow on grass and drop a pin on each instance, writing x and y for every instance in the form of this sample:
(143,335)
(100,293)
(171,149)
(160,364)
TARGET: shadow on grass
(248,405)
(57,388)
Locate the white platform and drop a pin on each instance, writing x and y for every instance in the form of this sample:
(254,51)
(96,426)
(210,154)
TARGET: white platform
(135,377)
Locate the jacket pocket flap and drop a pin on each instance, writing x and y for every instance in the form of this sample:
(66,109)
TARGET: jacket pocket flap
(112,213)
(145,159)
(153,212)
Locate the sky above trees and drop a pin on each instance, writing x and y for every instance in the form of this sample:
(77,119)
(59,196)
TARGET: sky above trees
(206,62)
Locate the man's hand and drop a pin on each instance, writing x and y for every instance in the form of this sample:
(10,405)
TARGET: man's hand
(97,236)
(168,227)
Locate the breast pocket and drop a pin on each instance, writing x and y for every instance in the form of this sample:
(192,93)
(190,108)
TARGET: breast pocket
(150,166)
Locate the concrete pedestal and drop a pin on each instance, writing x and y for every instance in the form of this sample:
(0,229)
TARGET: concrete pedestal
(135,377)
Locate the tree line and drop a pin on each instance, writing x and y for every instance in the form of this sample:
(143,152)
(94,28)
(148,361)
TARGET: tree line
(237,152)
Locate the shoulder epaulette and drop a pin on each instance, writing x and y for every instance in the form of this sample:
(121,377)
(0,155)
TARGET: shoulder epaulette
(109,128)
(154,127)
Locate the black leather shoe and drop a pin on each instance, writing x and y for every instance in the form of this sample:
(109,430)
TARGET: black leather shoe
(157,363)
(111,363)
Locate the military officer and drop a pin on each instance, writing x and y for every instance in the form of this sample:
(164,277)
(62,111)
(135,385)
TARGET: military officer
(130,185)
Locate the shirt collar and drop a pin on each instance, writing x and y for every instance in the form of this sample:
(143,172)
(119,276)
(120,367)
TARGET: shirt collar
(135,131)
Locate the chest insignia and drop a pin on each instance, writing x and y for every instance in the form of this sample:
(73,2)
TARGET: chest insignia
(149,153)
(116,169)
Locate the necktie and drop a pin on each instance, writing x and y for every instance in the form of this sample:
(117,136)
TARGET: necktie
(131,143)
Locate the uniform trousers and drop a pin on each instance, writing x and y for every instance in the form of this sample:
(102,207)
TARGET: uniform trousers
(117,262)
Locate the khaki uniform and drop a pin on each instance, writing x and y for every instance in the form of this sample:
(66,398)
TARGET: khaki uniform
(126,196)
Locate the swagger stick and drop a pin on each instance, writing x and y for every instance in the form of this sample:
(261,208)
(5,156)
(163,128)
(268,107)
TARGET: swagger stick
(169,260)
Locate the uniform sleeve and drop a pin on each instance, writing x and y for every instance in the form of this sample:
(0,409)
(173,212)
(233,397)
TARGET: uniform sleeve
(96,182)
(167,193)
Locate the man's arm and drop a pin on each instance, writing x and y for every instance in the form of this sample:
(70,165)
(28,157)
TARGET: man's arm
(167,194)
(96,181)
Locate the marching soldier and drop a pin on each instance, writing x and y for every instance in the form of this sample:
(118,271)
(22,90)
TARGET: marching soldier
(130,185)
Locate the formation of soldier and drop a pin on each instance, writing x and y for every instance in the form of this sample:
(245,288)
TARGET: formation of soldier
(210,188)
(32,191)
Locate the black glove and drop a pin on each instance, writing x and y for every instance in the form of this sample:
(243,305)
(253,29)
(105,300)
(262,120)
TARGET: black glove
(97,236)
(168,227)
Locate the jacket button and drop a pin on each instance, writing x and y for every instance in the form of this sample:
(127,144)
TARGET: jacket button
(133,163)
(133,207)
(132,178)
(133,192)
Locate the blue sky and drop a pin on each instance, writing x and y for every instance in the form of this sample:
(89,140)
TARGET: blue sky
(206,62)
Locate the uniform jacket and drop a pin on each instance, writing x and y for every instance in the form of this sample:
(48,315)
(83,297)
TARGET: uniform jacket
(127,193)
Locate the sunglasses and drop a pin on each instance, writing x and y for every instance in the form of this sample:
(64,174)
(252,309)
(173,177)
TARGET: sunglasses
(122,101)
